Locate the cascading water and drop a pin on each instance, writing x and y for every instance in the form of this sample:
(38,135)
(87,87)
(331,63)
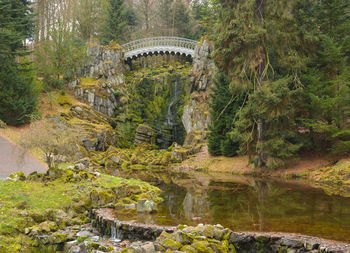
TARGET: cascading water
(116,233)
(170,119)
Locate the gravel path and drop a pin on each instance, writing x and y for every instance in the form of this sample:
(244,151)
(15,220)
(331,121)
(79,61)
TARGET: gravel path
(13,159)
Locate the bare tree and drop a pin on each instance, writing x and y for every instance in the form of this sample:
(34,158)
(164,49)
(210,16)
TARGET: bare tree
(55,139)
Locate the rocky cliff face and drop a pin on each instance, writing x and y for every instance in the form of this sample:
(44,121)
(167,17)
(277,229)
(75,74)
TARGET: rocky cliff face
(105,62)
(145,135)
(196,117)
(95,129)
(203,66)
(101,97)
(102,75)
(104,80)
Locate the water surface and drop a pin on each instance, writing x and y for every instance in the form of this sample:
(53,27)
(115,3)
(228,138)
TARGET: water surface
(247,204)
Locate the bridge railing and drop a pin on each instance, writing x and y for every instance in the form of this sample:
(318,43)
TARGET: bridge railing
(159,42)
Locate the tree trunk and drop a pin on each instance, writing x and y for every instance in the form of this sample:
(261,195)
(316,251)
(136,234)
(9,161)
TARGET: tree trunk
(261,155)
(261,78)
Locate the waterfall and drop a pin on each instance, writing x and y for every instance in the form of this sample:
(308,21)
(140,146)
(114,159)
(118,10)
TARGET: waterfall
(170,117)
(116,233)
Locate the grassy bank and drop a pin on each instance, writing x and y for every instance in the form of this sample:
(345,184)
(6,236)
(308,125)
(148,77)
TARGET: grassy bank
(33,204)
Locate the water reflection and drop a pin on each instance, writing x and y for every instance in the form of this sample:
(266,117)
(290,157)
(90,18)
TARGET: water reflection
(250,204)
(195,205)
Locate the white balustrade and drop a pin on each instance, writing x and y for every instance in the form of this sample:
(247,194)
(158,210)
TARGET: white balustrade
(159,45)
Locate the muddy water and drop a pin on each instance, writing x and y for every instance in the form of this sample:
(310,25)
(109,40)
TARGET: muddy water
(248,204)
(13,159)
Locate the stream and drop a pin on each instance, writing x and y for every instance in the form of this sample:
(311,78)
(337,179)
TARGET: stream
(250,204)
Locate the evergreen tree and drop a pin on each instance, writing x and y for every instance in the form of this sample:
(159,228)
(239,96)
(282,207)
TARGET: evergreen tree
(18,97)
(119,20)
(327,79)
(257,42)
(203,12)
(224,106)
(292,59)
(16,26)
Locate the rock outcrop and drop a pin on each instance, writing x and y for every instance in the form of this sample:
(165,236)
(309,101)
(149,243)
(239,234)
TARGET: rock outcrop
(104,62)
(145,135)
(101,97)
(101,77)
(196,115)
(203,66)
(96,129)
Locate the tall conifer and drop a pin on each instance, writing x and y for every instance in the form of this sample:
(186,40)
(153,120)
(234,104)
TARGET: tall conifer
(18,97)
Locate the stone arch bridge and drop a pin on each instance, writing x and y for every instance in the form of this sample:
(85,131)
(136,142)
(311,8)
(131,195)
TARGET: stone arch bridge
(158,45)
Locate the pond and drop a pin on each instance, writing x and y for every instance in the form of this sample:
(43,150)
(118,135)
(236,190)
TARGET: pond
(250,204)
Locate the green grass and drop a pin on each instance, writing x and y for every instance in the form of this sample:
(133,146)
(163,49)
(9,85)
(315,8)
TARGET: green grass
(19,200)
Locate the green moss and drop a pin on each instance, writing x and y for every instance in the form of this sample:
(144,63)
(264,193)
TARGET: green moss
(89,82)
(208,231)
(93,245)
(189,249)
(201,246)
(171,244)
(81,239)
(335,179)
(232,248)
(59,238)
(64,100)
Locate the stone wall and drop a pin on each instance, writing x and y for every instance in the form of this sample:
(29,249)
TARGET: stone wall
(211,238)
(104,221)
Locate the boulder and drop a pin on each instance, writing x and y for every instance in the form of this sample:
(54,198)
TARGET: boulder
(146,206)
(2,124)
(145,135)
(148,248)
(19,176)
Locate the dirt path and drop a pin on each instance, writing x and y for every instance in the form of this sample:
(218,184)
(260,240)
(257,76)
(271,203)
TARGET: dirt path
(13,159)
(240,165)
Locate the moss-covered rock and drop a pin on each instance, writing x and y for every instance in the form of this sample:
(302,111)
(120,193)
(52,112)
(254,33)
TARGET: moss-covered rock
(183,238)
(19,176)
(189,249)
(208,231)
(333,179)
(53,201)
(201,246)
(171,244)
(3,124)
